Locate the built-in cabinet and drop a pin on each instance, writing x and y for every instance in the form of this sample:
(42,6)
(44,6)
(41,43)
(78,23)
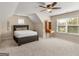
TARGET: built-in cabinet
(48,28)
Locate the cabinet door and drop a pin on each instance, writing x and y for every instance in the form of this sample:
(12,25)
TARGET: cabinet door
(47,26)
(50,25)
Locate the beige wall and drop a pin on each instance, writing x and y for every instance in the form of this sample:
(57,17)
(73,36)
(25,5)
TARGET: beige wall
(0,30)
(14,21)
(38,25)
(70,37)
(6,30)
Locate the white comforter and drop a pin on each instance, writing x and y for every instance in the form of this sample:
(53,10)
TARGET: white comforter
(24,33)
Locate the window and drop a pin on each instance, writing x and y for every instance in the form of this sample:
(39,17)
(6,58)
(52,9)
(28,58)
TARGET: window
(61,29)
(20,21)
(68,25)
(61,25)
(73,29)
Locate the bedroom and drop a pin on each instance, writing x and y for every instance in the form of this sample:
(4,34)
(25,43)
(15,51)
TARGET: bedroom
(18,16)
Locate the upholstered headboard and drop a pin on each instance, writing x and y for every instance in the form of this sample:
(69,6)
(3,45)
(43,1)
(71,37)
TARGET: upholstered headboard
(20,26)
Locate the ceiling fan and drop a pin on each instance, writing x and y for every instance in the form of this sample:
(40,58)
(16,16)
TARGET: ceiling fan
(49,7)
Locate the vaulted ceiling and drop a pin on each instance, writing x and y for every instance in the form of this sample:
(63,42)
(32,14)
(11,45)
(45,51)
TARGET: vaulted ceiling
(24,8)
(27,8)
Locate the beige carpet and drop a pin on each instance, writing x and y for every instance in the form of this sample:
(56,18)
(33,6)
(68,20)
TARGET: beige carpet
(43,47)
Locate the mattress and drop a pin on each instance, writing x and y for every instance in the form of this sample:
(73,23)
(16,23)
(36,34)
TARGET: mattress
(24,33)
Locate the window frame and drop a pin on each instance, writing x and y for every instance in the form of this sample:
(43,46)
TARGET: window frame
(67,25)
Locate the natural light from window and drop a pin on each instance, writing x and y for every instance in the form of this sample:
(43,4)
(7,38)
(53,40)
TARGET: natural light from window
(68,25)
(20,21)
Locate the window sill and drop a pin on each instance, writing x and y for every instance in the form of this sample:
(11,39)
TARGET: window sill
(68,33)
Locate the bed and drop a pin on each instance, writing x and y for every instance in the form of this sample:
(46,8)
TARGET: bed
(22,34)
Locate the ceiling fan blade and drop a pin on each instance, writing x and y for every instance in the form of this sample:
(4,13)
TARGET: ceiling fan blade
(48,6)
(56,8)
(42,6)
(53,4)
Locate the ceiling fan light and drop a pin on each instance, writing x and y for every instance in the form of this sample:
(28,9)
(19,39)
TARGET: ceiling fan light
(49,10)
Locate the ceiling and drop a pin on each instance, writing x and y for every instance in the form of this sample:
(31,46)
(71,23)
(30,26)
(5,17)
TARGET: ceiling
(25,8)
